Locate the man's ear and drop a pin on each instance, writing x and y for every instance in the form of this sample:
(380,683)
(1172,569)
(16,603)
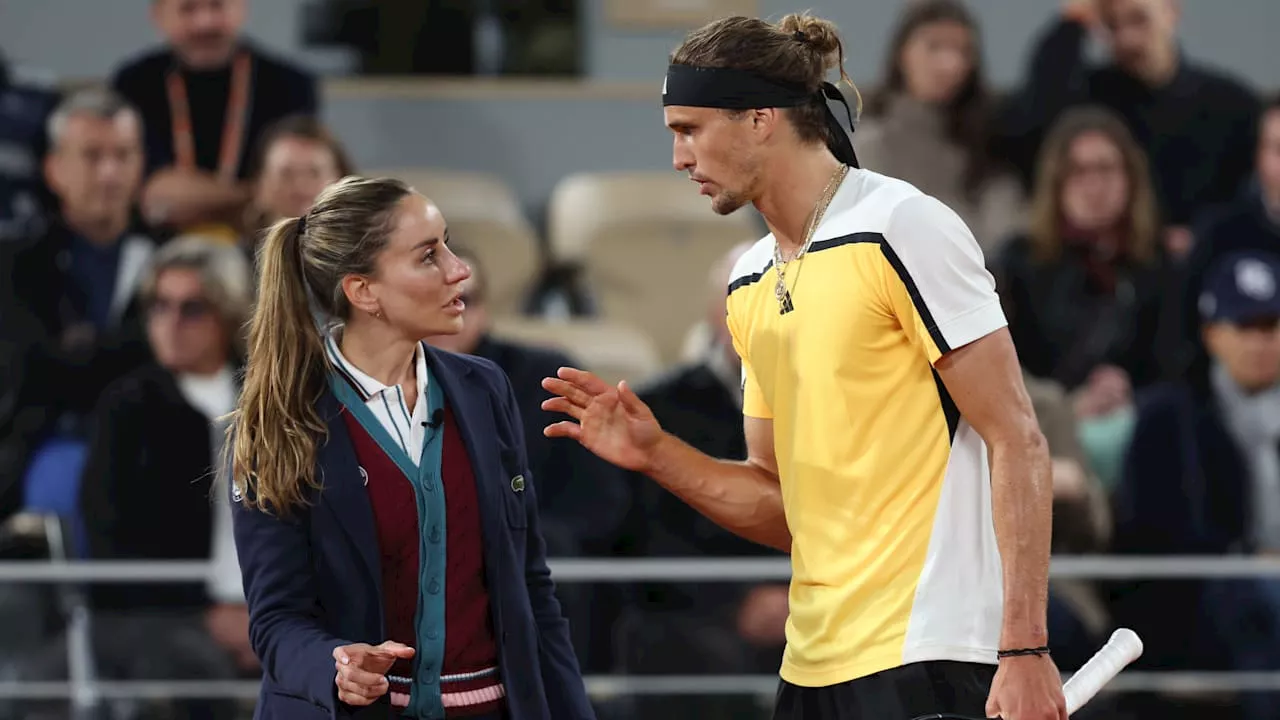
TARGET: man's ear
(764,121)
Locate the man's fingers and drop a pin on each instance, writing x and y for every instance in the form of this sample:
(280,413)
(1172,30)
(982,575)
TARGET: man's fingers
(568,390)
(561,405)
(564,429)
(630,401)
(583,379)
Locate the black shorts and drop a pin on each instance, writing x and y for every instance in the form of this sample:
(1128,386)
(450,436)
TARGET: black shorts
(901,693)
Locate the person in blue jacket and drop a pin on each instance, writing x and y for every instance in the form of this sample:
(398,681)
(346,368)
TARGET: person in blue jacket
(385,518)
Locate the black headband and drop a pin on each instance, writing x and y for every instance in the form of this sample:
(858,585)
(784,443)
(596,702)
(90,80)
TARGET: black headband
(733,89)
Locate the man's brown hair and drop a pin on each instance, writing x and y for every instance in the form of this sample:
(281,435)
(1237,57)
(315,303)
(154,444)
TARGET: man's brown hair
(799,50)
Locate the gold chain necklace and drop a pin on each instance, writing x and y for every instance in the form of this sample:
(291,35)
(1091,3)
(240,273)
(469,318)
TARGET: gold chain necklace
(785,305)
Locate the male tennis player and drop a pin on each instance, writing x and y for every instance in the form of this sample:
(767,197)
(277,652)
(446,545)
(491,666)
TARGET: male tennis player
(892,447)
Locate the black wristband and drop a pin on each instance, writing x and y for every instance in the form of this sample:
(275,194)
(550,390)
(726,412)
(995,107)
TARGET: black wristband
(1018,652)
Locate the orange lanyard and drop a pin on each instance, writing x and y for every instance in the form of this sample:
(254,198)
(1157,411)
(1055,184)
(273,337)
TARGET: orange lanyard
(184,144)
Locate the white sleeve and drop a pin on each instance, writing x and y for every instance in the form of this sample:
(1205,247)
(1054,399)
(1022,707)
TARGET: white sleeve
(944,288)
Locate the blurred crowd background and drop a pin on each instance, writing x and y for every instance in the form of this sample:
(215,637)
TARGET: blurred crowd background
(1118,161)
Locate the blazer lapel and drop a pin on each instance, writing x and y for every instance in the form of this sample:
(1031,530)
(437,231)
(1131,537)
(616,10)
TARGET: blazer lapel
(344,493)
(474,414)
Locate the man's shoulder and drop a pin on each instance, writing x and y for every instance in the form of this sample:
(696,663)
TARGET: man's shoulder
(137,389)
(278,69)
(1217,86)
(1165,400)
(146,66)
(866,204)
(28,252)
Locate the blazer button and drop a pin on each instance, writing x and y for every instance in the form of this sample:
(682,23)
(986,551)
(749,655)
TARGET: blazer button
(432,634)
(433,588)
(435,533)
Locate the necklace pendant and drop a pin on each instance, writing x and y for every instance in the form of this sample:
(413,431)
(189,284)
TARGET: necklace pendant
(784,303)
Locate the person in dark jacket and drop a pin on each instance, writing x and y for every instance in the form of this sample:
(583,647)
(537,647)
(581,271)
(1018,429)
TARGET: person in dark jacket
(1197,124)
(583,500)
(1082,289)
(69,321)
(207,97)
(385,515)
(699,628)
(1202,477)
(146,484)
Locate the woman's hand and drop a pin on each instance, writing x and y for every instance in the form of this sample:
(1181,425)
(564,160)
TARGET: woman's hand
(362,669)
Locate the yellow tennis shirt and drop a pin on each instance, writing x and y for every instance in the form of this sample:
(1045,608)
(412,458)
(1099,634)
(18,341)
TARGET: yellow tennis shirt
(886,488)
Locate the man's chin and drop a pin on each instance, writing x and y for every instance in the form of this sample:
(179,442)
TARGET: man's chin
(727,205)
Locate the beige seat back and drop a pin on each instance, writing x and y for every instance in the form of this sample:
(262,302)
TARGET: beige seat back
(646,242)
(485,216)
(613,351)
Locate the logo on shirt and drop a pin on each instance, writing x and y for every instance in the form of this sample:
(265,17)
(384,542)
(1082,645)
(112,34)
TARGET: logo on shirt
(517,483)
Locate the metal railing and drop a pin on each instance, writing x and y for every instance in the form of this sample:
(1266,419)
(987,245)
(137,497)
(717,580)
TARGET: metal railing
(1095,567)
(83,689)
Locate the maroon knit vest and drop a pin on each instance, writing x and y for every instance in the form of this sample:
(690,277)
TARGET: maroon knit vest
(469,637)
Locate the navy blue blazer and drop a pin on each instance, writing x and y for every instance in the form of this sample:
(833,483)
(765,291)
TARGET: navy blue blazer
(313,581)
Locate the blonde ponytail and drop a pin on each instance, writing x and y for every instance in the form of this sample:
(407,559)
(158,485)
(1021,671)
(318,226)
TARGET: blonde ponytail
(276,429)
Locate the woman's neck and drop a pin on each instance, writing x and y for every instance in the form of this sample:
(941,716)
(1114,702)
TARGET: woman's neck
(379,352)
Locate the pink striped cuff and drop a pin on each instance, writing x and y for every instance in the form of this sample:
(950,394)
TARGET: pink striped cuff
(467,698)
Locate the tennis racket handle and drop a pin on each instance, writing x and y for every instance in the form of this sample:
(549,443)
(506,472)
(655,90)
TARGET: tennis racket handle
(1123,648)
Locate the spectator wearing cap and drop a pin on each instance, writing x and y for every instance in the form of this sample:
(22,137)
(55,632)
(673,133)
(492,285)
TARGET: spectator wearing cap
(206,97)
(1202,476)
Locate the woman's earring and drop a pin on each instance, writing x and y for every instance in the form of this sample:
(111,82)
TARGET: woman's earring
(378,313)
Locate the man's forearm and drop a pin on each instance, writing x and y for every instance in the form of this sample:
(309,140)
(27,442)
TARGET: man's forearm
(741,497)
(1022,498)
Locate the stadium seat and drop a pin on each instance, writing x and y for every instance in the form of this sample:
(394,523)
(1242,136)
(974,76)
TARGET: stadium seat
(614,351)
(485,216)
(645,242)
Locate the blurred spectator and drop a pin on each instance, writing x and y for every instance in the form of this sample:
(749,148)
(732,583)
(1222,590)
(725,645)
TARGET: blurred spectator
(1203,477)
(146,488)
(929,121)
(205,99)
(24,109)
(70,324)
(1250,223)
(1082,289)
(295,159)
(582,499)
(699,628)
(1196,124)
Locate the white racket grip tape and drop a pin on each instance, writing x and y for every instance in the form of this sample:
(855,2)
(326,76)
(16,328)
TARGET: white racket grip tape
(1123,648)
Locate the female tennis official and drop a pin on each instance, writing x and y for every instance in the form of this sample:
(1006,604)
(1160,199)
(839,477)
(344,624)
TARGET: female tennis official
(385,519)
